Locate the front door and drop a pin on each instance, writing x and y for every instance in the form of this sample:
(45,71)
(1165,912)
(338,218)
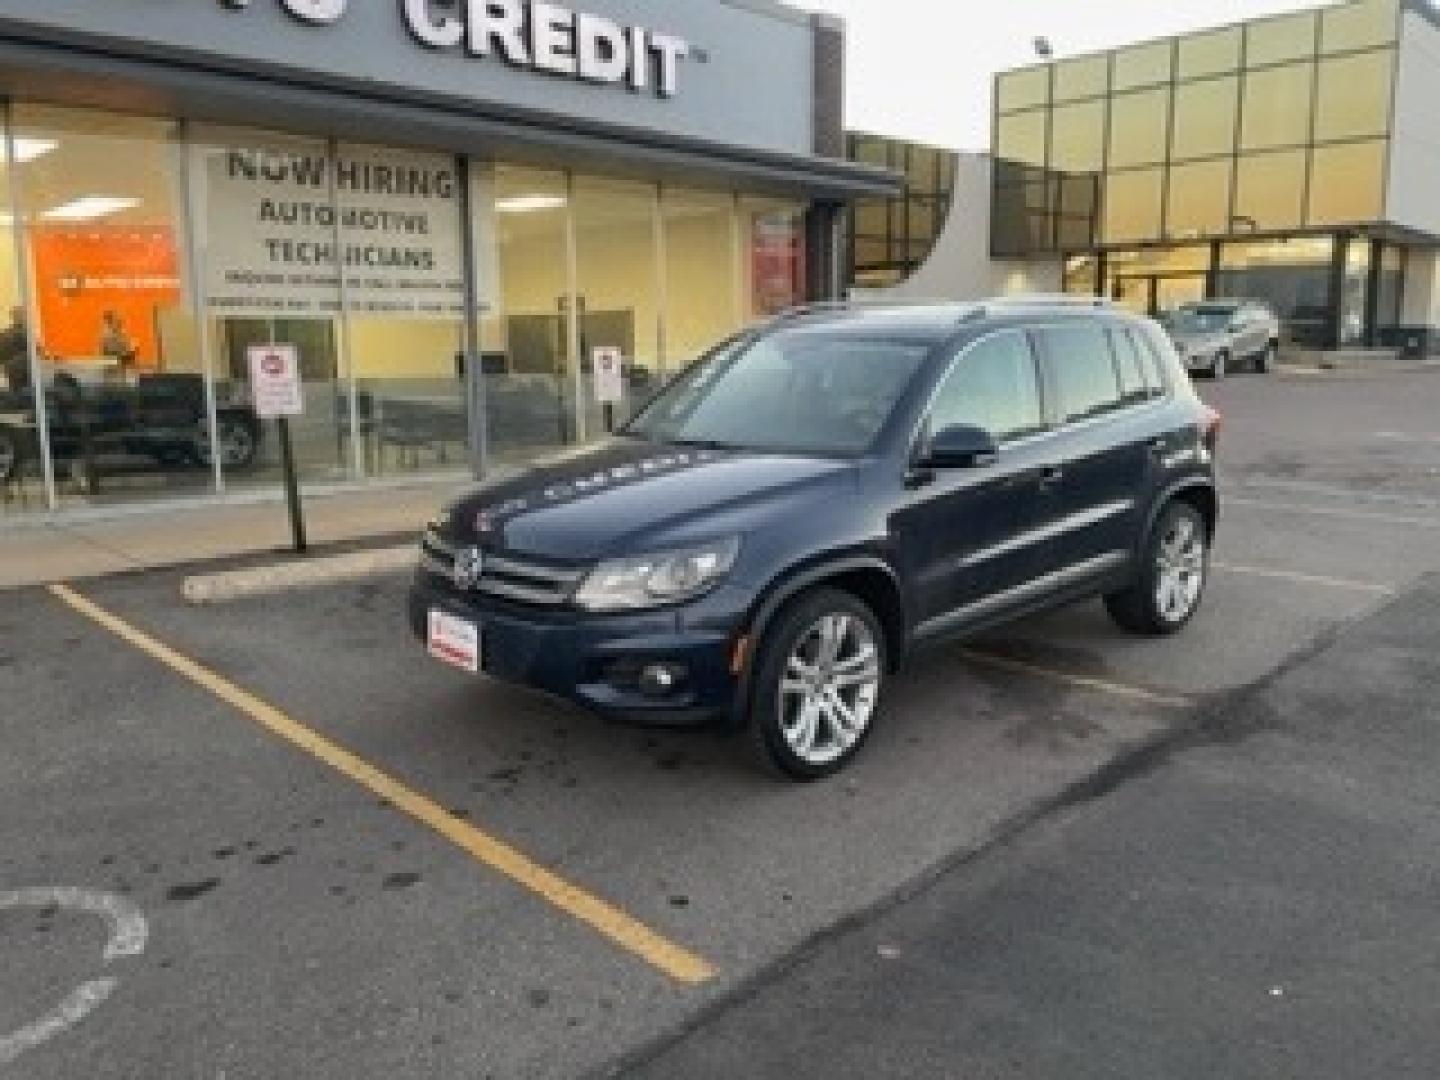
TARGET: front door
(967,534)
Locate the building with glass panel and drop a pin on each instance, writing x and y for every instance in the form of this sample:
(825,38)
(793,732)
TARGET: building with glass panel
(1291,159)
(890,239)
(448,208)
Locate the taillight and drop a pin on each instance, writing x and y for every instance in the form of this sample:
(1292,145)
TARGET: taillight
(1210,428)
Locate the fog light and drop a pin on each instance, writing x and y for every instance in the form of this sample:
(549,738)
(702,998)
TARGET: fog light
(660,680)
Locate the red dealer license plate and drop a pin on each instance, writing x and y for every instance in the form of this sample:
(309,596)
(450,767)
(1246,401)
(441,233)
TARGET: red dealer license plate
(455,641)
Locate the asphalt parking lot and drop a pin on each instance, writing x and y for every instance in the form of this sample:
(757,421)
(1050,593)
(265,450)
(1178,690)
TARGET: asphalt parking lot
(348,862)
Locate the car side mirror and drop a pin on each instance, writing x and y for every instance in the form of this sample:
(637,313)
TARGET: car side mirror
(961,446)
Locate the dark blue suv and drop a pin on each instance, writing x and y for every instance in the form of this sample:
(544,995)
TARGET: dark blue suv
(785,521)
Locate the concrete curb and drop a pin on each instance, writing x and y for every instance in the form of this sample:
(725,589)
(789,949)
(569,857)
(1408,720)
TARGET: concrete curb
(283,577)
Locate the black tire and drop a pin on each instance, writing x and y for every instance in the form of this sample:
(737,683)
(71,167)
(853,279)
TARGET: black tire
(239,442)
(1265,361)
(1220,365)
(12,456)
(1141,609)
(791,631)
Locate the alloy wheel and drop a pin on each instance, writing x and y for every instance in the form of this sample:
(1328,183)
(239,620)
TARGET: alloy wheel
(829,688)
(1179,570)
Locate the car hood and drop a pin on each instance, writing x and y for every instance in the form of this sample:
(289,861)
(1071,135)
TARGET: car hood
(1199,341)
(629,496)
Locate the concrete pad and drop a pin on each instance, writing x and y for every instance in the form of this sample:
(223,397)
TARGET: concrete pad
(281,577)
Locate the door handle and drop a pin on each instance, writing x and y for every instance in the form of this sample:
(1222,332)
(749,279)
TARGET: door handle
(1051,475)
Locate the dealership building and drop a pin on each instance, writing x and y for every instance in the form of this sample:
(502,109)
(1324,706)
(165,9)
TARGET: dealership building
(1294,159)
(450,210)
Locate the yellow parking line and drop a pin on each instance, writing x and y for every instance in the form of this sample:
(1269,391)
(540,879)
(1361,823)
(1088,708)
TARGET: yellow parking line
(1306,579)
(610,921)
(1102,686)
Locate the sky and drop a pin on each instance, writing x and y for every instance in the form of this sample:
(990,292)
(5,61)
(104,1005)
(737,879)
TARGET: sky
(922,69)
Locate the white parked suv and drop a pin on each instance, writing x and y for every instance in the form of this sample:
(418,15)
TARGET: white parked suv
(1214,337)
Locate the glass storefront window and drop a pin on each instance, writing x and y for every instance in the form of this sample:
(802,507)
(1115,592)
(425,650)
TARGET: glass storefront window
(1143,65)
(1082,77)
(1079,138)
(1132,205)
(1353,97)
(1347,184)
(1293,275)
(268,234)
(1020,138)
(1277,107)
(1268,190)
(703,302)
(1359,24)
(1390,287)
(1210,53)
(1199,199)
(22,394)
(123,373)
(618,287)
(1023,89)
(1204,124)
(405,306)
(1355,287)
(1082,274)
(522,222)
(1139,127)
(1273,41)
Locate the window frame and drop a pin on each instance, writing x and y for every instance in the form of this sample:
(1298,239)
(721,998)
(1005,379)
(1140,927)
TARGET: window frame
(924,429)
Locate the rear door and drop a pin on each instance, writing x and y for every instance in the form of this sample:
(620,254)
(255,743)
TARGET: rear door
(1103,448)
(966,534)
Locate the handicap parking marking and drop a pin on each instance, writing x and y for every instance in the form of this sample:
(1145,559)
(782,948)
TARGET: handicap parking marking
(609,921)
(1085,682)
(127,937)
(1348,584)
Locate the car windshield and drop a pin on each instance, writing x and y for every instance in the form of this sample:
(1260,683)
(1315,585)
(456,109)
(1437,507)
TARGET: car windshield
(797,391)
(1208,320)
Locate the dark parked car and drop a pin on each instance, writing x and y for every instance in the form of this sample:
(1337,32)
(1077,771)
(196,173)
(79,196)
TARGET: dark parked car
(161,419)
(776,531)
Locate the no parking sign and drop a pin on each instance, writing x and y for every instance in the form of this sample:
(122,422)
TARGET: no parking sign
(275,381)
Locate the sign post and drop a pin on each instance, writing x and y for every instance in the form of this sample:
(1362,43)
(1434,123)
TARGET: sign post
(279,395)
(609,366)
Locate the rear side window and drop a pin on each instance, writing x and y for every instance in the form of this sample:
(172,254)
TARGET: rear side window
(1081,369)
(995,386)
(1135,376)
(1164,363)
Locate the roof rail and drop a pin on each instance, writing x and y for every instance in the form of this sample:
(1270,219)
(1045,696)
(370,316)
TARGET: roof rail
(815,307)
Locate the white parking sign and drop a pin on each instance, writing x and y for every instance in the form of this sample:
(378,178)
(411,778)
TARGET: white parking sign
(609,374)
(275,381)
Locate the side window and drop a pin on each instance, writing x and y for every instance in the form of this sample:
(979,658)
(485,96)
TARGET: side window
(1161,354)
(1081,371)
(994,386)
(1135,380)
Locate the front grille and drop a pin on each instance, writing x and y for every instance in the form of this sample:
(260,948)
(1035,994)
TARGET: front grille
(519,579)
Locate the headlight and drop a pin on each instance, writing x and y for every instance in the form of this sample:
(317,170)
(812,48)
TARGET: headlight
(652,580)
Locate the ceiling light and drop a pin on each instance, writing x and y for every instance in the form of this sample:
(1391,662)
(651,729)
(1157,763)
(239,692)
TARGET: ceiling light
(30,149)
(90,207)
(528,204)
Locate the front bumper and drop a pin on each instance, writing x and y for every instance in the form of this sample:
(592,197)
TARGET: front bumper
(595,660)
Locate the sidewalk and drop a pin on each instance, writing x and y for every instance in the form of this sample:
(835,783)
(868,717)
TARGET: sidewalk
(67,549)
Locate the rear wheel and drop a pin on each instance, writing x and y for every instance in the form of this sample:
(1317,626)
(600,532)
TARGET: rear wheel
(1220,365)
(239,444)
(1265,361)
(819,673)
(1173,570)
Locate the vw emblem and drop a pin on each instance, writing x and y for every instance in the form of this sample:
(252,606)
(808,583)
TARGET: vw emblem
(468,569)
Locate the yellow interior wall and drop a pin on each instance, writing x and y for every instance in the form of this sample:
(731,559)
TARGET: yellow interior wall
(700,285)
(404,348)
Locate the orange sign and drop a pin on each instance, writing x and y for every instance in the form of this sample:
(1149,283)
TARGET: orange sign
(81,274)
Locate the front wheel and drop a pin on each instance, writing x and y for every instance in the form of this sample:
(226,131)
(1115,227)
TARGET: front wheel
(1174,566)
(239,443)
(10,455)
(819,674)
